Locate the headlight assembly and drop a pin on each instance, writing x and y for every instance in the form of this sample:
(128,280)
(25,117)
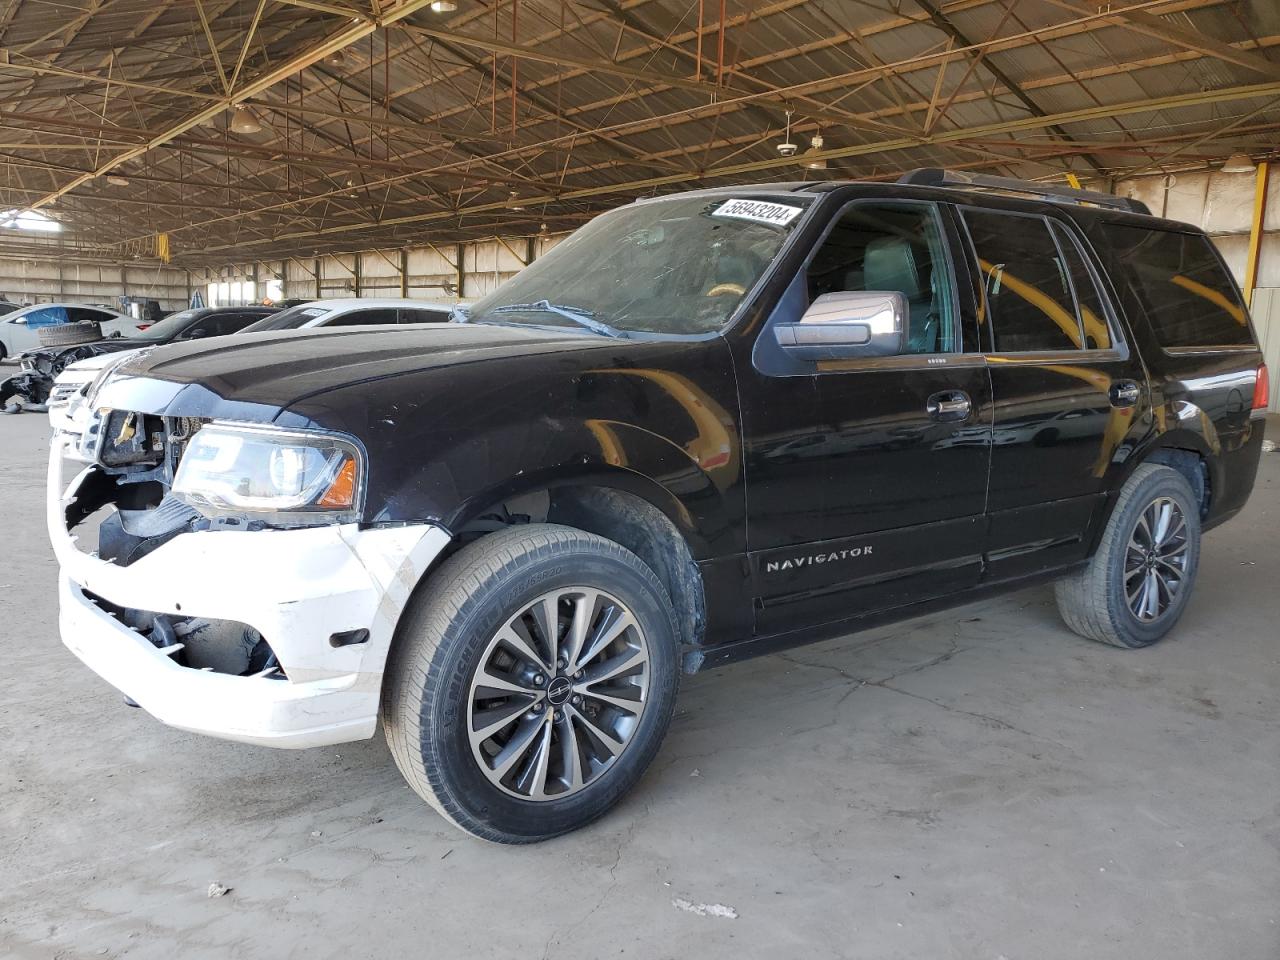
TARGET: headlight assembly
(284,477)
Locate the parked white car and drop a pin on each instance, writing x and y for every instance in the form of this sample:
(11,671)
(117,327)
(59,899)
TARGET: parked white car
(354,312)
(18,329)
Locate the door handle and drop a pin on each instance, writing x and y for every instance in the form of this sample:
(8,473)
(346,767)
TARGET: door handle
(1124,393)
(949,405)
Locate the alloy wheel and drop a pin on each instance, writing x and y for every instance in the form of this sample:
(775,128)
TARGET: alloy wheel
(1155,562)
(558,694)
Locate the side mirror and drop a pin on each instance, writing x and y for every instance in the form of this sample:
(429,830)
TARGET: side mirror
(841,325)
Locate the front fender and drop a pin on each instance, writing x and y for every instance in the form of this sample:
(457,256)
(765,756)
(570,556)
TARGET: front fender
(655,419)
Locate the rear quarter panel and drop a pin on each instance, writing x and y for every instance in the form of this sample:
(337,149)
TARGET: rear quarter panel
(1200,399)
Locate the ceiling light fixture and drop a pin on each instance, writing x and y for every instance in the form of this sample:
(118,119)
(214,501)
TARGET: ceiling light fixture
(513,200)
(242,121)
(116,181)
(786,148)
(810,159)
(1238,163)
(336,59)
(443,6)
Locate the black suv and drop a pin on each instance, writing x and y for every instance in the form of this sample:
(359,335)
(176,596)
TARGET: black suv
(706,426)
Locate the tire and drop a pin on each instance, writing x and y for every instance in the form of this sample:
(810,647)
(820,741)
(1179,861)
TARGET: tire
(67,334)
(457,629)
(1110,599)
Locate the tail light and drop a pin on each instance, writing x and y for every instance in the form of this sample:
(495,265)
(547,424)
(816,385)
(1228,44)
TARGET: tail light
(1261,389)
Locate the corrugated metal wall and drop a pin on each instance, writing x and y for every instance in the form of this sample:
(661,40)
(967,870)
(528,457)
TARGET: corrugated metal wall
(46,281)
(427,272)
(1221,204)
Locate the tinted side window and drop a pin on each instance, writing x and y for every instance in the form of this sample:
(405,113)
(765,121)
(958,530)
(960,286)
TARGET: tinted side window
(1093,315)
(78,314)
(891,247)
(359,318)
(219,325)
(423,315)
(1188,295)
(1028,297)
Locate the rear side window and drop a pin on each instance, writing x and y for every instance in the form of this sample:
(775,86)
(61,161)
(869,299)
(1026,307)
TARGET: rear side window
(1187,293)
(1029,302)
(423,315)
(221,324)
(360,318)
(79,314)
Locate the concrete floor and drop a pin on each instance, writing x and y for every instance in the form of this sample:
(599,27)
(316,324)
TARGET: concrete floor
(979,784)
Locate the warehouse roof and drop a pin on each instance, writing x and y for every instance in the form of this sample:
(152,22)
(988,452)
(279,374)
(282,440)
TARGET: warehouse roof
(255,129)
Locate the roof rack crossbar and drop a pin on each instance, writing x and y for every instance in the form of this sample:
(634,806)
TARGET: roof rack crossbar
(1055,193)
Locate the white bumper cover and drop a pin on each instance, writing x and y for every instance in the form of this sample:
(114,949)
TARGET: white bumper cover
(295,587)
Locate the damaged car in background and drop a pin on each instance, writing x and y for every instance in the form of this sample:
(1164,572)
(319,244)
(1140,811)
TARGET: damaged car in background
(506,537)
(37,381)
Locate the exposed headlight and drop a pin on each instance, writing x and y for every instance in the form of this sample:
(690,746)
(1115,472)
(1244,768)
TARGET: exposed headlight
(285,477)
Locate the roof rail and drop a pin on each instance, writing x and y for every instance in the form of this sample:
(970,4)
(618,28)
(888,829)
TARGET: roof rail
(1054,193)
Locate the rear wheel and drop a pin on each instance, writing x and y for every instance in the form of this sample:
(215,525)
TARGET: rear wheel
(532,682)
(1138,583)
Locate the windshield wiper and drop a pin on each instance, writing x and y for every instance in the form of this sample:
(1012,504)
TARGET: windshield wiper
(584,318)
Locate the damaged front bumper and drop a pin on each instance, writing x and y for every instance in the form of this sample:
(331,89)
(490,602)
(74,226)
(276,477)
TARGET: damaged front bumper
(308,592)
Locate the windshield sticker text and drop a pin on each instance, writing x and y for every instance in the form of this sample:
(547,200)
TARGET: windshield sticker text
(777,214)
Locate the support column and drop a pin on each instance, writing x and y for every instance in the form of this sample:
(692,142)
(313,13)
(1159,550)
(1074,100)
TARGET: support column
(317,275)
(355,272)
(460,268)
(1256,231)
(404,271)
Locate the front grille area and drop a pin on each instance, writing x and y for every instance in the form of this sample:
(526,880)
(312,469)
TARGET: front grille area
(123,501)
(199,643)
(63,392)
(128,443)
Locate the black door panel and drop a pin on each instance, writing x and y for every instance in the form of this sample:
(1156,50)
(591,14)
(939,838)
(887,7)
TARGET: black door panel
(851,576)
(867,478)
(1063,383)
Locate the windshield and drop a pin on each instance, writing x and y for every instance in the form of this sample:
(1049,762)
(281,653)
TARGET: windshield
(289,319)
(168,328)
(678,266)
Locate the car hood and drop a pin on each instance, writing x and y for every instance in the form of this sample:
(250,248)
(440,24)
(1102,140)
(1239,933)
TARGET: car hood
(92,364)
(257,375)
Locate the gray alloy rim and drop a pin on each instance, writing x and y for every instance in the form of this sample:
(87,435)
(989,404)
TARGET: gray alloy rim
(558,694)
(1155,562)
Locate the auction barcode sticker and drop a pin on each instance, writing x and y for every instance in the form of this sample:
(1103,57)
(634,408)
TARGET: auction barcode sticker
(761,211)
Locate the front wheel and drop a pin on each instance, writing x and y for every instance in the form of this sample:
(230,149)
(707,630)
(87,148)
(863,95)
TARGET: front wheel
(531,682)
(1136,586)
